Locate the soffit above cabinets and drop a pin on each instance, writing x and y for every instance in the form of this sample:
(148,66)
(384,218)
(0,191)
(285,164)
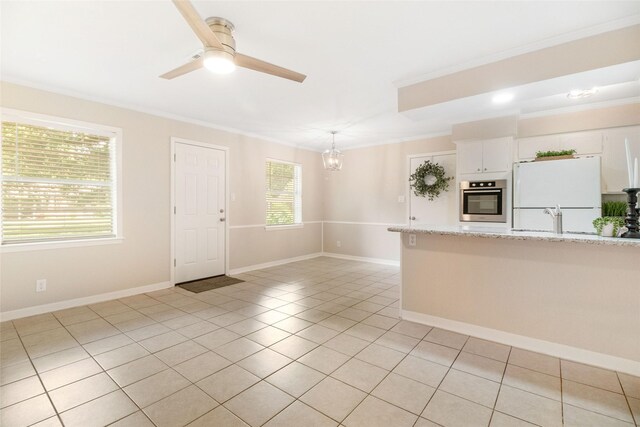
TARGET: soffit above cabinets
(539,80)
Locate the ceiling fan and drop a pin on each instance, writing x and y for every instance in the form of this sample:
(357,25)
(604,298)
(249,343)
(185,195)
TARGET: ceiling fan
(220,48)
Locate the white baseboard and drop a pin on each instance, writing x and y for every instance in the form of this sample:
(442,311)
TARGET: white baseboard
(77,302)
(273,263)
(574,354)
(364,259)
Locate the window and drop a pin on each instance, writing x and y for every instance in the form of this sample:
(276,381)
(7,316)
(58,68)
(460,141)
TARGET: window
(59,180)
(284,188)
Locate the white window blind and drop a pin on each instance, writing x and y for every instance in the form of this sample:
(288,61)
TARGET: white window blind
(284,188)
(57,184)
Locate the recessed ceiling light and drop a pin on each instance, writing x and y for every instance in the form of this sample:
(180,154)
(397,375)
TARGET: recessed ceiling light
(582,93)
(502,98)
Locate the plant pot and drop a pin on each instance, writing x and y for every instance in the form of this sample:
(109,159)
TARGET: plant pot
(542,159)
(607,230)
(608,226)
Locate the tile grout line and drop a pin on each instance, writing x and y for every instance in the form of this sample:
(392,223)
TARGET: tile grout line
(46,392)
(626,398)
(504,372)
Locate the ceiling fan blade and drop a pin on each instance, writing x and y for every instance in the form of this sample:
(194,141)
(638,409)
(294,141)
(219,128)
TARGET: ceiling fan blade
(197,24)
(184,69)
(265,67)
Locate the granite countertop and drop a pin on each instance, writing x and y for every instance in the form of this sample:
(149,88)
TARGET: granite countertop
(501,233)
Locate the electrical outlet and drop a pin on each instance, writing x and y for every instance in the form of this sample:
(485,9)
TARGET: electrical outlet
(339,243)
(412,239)
(41,285)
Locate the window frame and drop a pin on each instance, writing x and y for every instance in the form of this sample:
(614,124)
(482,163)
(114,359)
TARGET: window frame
(297,196)
(65,124)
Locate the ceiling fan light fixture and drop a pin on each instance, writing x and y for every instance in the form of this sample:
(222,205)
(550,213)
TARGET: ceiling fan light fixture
(332,159)
(219,61)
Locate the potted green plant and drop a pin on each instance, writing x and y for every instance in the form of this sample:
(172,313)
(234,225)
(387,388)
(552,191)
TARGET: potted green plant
(608,226)
(612,220)
(614,208)
(555,155)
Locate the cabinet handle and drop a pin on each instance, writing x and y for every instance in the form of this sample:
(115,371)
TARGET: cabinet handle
(412,218)
(478,170)
(485,169)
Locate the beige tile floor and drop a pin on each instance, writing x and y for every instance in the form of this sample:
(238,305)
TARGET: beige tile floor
(312,343)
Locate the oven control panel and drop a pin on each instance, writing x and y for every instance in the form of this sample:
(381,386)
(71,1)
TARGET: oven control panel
(481,185)
(478,184)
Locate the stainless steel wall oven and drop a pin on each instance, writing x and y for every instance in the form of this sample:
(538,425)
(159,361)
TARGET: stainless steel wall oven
(483,201)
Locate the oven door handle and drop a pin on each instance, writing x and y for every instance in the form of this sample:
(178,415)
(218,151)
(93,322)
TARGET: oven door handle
(480,191)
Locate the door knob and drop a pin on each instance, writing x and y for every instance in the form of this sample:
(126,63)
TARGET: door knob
(222,219)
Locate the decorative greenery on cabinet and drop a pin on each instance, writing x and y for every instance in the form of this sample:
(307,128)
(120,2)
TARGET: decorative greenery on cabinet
(551,153)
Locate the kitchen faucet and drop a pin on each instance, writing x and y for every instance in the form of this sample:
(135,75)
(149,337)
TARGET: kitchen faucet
(556,215)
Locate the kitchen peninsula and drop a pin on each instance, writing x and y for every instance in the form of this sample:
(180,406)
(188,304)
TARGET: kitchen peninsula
(575,296)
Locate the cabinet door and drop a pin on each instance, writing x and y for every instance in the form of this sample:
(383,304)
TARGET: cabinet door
(496,155)
(470,157)
(614,158)
(528,147)
(582,142)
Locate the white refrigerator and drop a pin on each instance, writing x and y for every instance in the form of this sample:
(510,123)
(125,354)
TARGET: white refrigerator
(574,184)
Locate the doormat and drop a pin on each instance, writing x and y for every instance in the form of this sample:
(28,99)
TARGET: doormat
(202,285)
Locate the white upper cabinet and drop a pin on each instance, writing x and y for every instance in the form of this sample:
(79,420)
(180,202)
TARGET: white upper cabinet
(583,142)
(528,147)
(614,158)
(496,155)
(470,157)
(490,155)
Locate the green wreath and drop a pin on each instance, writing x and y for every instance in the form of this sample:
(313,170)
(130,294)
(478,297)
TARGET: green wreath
(429,180)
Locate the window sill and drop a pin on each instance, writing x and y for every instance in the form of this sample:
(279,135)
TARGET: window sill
(283,227)
(25,247)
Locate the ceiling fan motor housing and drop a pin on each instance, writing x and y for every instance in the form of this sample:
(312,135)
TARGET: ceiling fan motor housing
(223,31)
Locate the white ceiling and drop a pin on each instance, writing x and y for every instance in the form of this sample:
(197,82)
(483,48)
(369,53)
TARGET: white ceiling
(354,53)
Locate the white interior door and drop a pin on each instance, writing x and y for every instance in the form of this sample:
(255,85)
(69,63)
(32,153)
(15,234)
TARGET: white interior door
(442,210)
(200,212)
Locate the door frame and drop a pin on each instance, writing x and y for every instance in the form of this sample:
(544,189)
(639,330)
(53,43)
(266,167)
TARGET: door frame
(225,150)
(408,173)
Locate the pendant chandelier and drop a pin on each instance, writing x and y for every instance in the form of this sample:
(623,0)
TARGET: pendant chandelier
(332,158)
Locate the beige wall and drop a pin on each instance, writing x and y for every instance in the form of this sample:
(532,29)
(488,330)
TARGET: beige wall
(485,129)
(361,200)
(143,258)
(575,294)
